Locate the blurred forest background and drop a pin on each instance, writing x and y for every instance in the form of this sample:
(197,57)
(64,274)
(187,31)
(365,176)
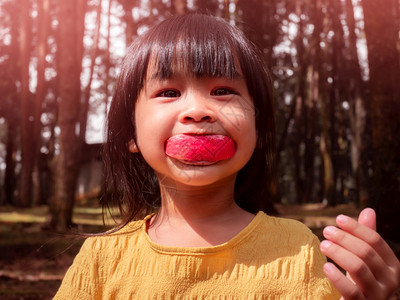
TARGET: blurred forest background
(336,68)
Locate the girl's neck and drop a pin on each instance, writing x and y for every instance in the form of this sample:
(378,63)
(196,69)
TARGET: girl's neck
(197,216)
(196,203)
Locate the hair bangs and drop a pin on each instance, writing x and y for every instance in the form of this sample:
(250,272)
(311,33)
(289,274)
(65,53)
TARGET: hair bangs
(199,50)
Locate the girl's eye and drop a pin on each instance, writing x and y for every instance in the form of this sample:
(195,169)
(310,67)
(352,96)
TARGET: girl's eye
(222,92)
(169,94)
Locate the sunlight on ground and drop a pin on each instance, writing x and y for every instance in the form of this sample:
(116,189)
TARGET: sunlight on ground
(312,215)
(316,215)
(18,217)
(82,215)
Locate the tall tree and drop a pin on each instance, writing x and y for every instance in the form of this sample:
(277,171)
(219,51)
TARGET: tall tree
(9,176)
(43,25)
(360,145)
(336,75)
(315,91)
(326,148)
(107,59)
(83,114)
(10,97)
(71,20)
(381,29)
(300,111)
(27,155)
(130,30)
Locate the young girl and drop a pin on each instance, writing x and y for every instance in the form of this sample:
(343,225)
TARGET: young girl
(189,152)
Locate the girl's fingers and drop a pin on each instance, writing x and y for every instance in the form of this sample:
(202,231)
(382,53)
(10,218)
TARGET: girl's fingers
(356,267)
(369,236)
(361,251)
(364,253)
(345,287)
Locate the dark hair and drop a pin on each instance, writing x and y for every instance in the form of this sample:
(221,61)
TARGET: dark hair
(206,46)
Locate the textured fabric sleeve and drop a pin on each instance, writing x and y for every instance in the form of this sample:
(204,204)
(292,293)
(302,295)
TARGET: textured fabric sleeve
(320,287)
(82,277)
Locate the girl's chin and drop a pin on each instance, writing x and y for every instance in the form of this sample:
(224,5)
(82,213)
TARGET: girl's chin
(201,173)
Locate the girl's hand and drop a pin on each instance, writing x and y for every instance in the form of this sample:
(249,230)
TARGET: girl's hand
(373,271)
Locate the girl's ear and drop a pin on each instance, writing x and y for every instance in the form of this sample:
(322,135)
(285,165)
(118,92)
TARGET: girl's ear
(132,147)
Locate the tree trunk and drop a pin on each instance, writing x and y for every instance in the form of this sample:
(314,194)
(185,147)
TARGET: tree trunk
(43,26)
(325,148)
(86,99)
(309,155)
(130,30)
(337,45)
(300,112)
(360,144)
(316,92)
(381,29)
(10,105)
(327,183)
(9,176)
(66,162)
(27,155)
(107,60)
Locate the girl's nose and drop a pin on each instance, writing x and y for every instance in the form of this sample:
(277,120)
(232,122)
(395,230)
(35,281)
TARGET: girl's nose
(197,110)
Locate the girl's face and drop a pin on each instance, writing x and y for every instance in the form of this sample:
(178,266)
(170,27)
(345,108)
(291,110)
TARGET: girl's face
(184,104)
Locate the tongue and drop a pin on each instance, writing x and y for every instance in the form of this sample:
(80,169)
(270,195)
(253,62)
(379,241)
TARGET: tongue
(195,148)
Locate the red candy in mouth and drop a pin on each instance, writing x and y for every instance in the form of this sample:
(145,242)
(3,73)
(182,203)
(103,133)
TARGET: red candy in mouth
(200,148)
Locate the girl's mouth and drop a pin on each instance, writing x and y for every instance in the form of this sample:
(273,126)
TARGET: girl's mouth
(200,149)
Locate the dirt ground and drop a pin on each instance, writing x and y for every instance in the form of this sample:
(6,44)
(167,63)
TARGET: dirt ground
(33,261)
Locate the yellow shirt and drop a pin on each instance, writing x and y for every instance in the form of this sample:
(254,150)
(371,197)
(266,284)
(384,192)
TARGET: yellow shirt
(272,258)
